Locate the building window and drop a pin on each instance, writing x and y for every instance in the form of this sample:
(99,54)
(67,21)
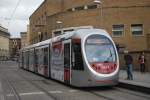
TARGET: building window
(118,30)
(79,8)
(91,6)
(69,9)
(137,29)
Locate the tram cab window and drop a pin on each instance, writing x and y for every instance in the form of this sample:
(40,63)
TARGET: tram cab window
(77,56)
(99,49)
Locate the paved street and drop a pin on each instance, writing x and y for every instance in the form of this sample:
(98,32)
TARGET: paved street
(18,84)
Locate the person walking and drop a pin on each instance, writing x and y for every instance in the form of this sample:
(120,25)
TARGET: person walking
(142,61)
(128,61)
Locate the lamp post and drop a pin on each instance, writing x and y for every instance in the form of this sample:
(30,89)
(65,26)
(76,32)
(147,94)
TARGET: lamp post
(99,3)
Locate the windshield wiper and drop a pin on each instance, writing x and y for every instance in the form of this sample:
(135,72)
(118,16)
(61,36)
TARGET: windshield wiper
(110,56)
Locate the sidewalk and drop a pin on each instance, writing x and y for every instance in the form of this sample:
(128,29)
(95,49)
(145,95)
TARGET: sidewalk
(140,80)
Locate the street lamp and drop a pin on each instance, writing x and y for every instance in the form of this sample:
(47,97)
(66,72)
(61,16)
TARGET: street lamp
(59,24)
(99,3)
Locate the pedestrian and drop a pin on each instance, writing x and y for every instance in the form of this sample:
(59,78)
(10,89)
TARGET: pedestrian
(142,61)
(128,61)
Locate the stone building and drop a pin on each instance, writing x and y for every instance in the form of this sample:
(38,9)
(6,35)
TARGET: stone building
(127,21)
(15,46)
(28,34)
(4,43)
(24,41)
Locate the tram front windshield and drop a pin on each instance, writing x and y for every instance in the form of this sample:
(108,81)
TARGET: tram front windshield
(99,49)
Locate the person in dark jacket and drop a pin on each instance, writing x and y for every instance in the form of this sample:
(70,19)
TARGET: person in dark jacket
(128,61)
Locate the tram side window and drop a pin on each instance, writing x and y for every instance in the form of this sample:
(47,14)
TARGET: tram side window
(31,56)
(45,56)
(27,58)
(23,61)
(40,56)
(36,57)
(78,61)
(67,55)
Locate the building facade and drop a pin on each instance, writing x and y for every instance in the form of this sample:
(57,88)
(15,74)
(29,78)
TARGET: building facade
(127,21)
(15,46)
(4,43)
(24,40)
(28,34)
(38,20)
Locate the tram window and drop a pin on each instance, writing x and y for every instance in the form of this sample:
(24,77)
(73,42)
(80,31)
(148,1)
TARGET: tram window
(67,55)
(31,62)
(78,61)
(27,58)
(40,55)
(23,59)
(36,56)
(45,56)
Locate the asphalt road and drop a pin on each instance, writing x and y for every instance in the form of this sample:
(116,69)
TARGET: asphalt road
(18,84)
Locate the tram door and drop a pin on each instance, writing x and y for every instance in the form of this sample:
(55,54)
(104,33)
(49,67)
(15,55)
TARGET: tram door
(67,62)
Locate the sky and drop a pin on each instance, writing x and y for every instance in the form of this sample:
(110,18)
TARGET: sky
(14,14)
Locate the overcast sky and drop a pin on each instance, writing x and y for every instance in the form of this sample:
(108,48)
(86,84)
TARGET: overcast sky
(20,18)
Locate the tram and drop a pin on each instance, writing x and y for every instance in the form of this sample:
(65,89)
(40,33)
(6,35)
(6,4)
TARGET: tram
(82,57)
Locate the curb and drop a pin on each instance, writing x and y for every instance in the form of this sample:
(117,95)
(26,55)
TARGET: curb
(134,87)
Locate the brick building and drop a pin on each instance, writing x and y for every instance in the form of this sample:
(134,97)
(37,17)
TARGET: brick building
(127,21)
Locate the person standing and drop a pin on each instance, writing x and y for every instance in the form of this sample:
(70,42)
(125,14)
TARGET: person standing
(128,61)
(142,62)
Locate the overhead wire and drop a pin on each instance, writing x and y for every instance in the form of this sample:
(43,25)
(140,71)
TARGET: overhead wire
(14,12)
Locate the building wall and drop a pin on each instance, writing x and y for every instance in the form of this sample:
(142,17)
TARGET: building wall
(15,46)
(28,34)
(4,43)
(24,39)
(128,12)
(111,16)
(38,20)
(135,15)
(4,47)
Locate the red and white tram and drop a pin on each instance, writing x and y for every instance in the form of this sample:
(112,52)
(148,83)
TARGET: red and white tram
(81,57)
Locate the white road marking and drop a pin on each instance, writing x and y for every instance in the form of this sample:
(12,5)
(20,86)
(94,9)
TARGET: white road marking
(72,90)
(9,95)
(1,92)
(55,91)
(31,93)
(35,93)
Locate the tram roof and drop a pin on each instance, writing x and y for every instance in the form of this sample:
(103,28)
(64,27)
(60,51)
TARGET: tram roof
(66,35)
